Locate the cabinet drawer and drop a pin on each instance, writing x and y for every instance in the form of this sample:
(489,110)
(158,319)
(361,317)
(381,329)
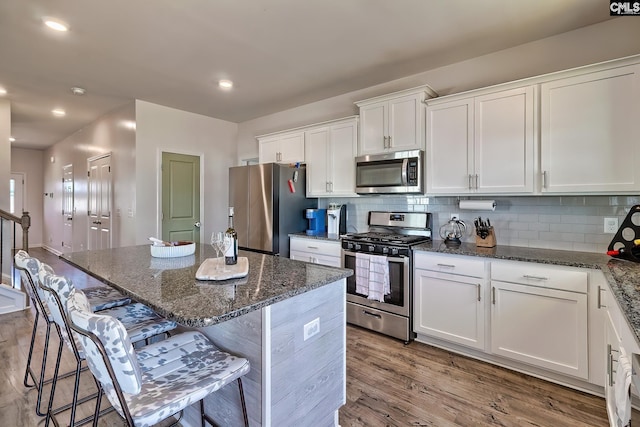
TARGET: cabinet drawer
(465,266)
(526,273)
(316,246)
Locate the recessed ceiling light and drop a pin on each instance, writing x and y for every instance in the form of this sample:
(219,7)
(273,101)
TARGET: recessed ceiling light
(3,91)
(76,90)
(55,24)
(12,139)
(58,112)
(225,84)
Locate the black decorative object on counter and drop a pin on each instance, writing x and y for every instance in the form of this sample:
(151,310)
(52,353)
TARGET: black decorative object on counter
(626,243)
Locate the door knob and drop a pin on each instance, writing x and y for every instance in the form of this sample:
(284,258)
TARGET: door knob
(197,224)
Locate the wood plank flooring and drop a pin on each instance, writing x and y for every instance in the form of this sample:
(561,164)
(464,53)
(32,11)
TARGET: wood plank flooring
(388,383)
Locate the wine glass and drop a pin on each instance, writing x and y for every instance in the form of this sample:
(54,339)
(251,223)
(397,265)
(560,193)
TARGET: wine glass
(217,239)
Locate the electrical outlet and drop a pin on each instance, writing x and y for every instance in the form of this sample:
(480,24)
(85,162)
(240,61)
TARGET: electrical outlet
(454,215)
(311,328)
(610,225)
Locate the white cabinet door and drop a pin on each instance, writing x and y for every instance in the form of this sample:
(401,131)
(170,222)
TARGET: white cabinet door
(590,132)
(482,144)
(540,326)
(504,132)
(342,153)
(317,147)
(269,149)
(285,147)
(330,151)
(292,148)
(392,123)
(612,350)
(405,123)
(449,307)
(373,128)
(449,147)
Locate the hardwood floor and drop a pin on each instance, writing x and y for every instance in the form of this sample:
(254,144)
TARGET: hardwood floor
(388,383)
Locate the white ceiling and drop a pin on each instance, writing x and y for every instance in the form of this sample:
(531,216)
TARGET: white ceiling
(279,53)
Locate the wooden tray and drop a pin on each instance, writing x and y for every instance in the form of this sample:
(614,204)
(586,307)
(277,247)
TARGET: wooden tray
(208,269)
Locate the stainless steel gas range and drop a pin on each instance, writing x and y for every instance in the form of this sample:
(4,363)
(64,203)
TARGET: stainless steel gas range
(384,303)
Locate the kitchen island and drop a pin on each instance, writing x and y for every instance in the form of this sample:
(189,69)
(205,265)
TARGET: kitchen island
(287,317)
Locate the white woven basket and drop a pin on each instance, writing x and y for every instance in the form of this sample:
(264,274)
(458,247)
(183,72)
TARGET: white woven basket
(172,251)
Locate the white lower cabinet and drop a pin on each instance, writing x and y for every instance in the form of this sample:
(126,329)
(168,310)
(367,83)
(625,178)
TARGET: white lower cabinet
(315,251)
(539,316)
(448,305)
(533,317)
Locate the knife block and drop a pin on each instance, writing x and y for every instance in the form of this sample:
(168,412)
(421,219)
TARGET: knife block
(487,242)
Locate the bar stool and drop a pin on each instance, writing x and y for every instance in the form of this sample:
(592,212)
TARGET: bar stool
(99,298)
(149,385)
(141,322)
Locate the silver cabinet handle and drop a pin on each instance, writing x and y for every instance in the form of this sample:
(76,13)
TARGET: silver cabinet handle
(312,247)
(479,291)
(470,178)
(544,179)
(390,145)
(600,289)
(493,295)
(446,265)
(527,276)
(197,224)
(476,181)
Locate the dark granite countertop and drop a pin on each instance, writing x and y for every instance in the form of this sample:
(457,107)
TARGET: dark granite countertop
(169,286)
(623,276)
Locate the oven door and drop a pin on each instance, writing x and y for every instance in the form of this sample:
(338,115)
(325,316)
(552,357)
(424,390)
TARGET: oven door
(399,300)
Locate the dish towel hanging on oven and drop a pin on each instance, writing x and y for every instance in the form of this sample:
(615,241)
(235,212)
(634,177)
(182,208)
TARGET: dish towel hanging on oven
(372,276)
(362,274)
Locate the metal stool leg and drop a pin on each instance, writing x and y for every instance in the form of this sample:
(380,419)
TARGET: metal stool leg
(28,371)
(243,403)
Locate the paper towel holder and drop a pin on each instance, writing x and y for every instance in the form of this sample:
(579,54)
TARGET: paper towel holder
(478,205)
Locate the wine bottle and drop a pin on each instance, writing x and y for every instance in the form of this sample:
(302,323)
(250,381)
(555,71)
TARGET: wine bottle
(231,256)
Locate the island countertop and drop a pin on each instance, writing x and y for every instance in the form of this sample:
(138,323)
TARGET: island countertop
(623,276)
(169,286)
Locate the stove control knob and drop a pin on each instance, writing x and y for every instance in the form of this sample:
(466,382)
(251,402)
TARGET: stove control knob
(394,251)
(385,250)
(349,245)
(358,247)
(371,248)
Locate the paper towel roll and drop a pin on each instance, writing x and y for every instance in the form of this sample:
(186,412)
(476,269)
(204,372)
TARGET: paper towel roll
(478,205)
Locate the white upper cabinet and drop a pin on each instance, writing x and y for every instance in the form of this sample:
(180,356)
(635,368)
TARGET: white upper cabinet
(482,143)
(393,122)
(590,131)
(330,150)
(285,147)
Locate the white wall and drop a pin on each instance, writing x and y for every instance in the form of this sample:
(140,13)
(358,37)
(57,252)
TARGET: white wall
(163,129)
(608,40)
(5,153)
(108,134)
(29,162)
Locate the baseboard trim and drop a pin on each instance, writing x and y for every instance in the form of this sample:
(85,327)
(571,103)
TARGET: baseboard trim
(50,249)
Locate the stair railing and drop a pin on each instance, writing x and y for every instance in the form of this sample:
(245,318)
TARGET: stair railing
(8,236)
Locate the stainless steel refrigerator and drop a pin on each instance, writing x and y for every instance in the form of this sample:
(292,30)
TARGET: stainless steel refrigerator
(266,211)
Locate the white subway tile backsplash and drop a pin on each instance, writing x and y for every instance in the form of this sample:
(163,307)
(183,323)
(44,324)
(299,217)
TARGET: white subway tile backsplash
(554,222)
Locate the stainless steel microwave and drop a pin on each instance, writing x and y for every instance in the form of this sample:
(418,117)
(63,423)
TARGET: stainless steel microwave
(390,173)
